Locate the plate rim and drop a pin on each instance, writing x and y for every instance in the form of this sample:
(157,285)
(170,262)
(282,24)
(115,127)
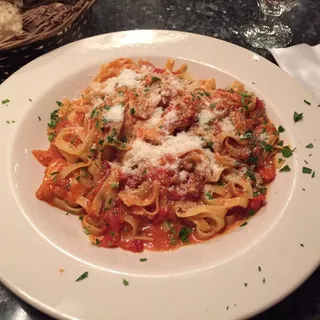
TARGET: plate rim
(54,312)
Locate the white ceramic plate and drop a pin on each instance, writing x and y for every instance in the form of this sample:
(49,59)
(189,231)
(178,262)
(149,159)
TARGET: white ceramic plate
(219,279)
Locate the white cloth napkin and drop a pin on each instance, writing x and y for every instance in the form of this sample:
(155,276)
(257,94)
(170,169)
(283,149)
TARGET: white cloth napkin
(302,62)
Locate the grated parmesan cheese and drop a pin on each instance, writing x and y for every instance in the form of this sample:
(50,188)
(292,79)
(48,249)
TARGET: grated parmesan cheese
(155,118)
(171,117)
(183,175)
(173,145)
(226,125)
(264,136)
(114,114)
(127,78)
(204,117)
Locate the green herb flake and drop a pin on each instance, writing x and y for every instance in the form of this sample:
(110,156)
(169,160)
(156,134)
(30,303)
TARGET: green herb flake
(51,136)
(306,170)
(86,231)
(114,185)
(132,111)
(280,160)
(307,102)
(106,107)
(244,224)
(247,136)
(286,152)
(313,174)
(281,129)
(209,195)
(251,175)
(125,282)
(309,146)
(280,143)
(94,113)
(297,116)
(5,101)
(59,103)
(251,213)
(78,178)
(172,230)
(80,218)
(83,276)
(285,169)
(154,79)
(212,105)
(184,233)
(143,259)
(97,241)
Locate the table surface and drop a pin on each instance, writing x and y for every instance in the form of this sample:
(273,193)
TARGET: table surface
(220,19)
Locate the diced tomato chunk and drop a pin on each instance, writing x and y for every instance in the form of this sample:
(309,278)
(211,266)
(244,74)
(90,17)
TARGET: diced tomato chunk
(114,218)
(256,203)
(110,240)
(161,216)
(159,70)
(132,245)
(267,173)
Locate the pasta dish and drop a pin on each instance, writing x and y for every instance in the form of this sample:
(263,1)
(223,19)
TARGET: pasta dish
(152,158)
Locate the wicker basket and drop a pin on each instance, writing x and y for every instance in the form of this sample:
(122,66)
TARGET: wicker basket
(46,25)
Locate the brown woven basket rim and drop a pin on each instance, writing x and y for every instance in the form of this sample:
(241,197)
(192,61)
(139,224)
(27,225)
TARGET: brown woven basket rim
(81,6)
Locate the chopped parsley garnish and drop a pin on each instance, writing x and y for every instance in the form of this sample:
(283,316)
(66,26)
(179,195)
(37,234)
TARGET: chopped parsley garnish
(280,143)
(97,124)
(267,147)
(39,118)
(125,282)
(59,103)
(297,116)
(51,136)
(110,200)
(154,79)
(54,119)
(313,174)
(281,129)
(280,160)
(286,152)
(247,136)
(309,146)
(144,171)
(212,105)
(78,178)
(97,241)
(120,93)
(307,102)
(306,170)
(209,195)
(100,141)
(94,113)
(133,111)
(143,259)
(83,276)
(114,185)
(80,218)
(251,175)
(207,93)
(172,230)
(107,108)
(251,213)
(5,101)
(184,233)
(285,169)
(86,231)
(244,224)
(112,233)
